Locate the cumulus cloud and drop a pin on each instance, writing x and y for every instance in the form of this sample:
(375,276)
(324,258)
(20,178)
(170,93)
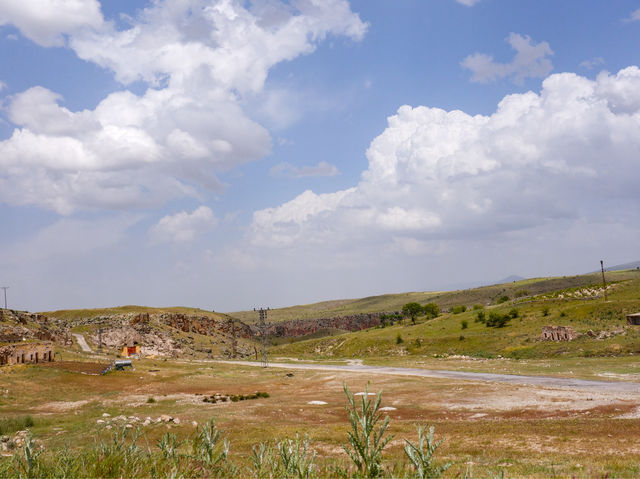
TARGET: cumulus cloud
(287,169)
(183,227)
(565,156)
(531,61)
(47,22)
(199,59)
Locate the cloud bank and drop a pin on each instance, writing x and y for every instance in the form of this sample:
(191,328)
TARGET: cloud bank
(199,59)
(183,227)
(566,156)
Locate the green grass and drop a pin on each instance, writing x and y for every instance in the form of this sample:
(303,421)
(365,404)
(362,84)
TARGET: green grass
(486,295)
(518,339)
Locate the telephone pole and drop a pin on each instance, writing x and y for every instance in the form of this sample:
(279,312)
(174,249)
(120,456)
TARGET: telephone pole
(5,295)
(262,327)
(604,281)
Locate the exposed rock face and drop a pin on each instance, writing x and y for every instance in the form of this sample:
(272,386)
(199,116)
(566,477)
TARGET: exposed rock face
(20,324)
(302,327)
(204,325)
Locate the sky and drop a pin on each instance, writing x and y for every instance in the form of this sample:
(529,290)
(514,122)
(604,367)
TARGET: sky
(230,154)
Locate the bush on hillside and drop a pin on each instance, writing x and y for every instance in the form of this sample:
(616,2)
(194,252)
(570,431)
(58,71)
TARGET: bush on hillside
(459,309)
(497,320)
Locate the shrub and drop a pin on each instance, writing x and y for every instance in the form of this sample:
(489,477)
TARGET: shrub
(461,338)
(477,306)
(562,314)
(365,440)
(497,320)
(502,299)
(464,324)
(399,339)
(207,447)
(151,400)
(459,309)
(513,313)
(480,317)
(421,455)
(545,311)
(520,293)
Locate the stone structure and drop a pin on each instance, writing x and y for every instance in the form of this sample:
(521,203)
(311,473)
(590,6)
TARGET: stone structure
(633,319)
(131,351)
(25,353)
(558,333)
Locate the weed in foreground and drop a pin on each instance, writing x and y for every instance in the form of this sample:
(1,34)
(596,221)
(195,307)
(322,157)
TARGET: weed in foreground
(365,440)
(421,455)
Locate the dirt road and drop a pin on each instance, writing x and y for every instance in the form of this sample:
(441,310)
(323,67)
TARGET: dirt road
(82,342)
(544,381)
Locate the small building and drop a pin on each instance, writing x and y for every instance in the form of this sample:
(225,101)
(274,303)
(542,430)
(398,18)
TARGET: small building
(26,353)
(131,351)
(633,319)
(558,333)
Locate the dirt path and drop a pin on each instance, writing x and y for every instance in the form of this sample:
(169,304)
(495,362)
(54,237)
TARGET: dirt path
(82,342)
(544,381)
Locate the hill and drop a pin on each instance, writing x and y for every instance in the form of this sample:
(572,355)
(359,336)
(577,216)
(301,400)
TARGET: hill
(485,295)
(576,302)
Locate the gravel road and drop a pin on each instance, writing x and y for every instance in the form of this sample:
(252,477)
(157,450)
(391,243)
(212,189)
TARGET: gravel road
(545,381)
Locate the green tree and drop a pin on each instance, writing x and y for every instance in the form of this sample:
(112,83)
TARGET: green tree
(412,310)
(431,309)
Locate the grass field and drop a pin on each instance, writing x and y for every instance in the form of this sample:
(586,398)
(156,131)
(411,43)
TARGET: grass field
(488,427)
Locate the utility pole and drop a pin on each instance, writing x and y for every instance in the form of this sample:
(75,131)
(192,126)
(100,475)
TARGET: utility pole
(262,327)
(5,295)
(604,281)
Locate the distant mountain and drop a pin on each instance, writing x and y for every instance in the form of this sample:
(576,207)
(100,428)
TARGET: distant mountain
(619,267)
(510,279)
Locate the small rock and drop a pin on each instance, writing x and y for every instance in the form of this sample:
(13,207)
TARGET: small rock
(146,422)
(108,426)
(4,439)
(158,419)
(129,426)
(166,418)
(100,421)
(194,423)
(176,420)
(106,414)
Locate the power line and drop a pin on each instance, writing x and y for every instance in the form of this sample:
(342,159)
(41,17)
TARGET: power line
(5,295)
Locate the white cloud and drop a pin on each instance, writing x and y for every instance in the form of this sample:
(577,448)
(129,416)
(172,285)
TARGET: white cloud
(468,3)
(566,156)
(592,63)
(287,169)
(46,22)
(530,62)
(200,58)
(183,227)
(634,17)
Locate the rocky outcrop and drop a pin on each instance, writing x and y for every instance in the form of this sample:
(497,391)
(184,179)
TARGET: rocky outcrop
(16,325)
(205,325)
(558,333)
(302,327)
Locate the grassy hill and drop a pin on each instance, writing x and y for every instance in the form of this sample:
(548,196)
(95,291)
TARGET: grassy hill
(549,301)
(485,296)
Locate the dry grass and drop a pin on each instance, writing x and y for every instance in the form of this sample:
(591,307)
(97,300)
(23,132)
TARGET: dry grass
(524,430)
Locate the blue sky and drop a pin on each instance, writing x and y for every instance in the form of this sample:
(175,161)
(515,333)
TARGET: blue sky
(226,154)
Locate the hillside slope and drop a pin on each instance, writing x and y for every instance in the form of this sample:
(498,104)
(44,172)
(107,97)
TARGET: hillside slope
(575,302)
(485,295)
